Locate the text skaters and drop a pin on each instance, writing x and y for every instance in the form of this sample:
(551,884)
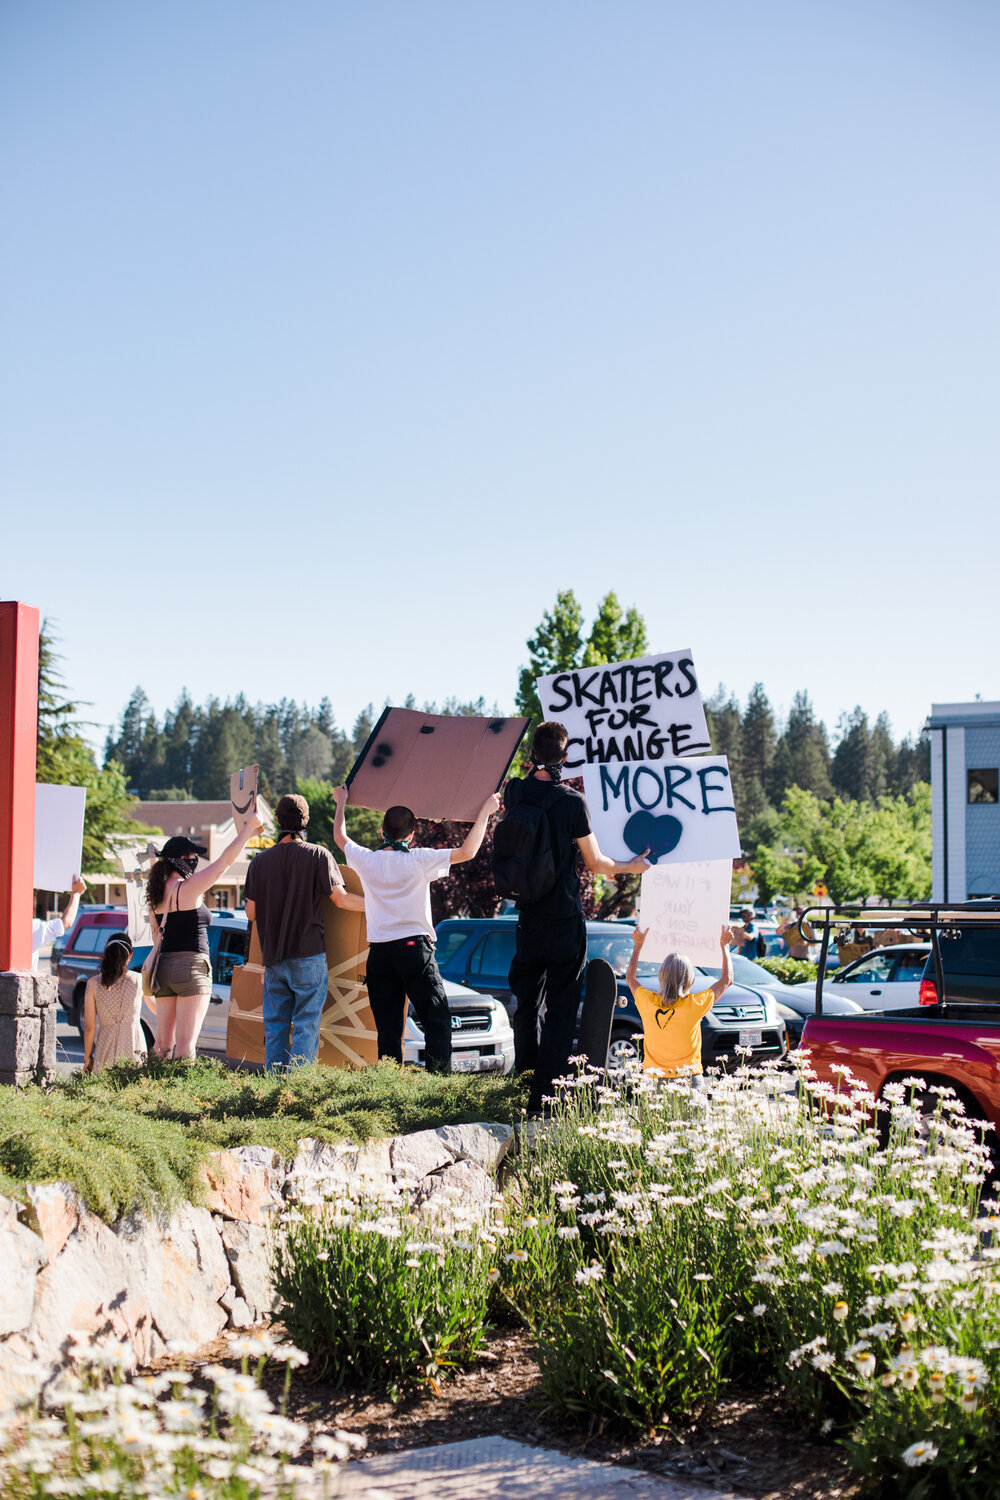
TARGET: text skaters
(643,710)
(680,810)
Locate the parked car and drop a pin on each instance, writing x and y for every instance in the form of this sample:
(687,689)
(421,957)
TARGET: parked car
(481,1037)
(81,955)
(477,951)
(970,966)
(795,1002)
(885,979)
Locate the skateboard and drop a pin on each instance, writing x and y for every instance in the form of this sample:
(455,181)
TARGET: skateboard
(600,996)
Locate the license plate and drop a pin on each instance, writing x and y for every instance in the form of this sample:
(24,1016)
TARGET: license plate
(471,1062)
(751,1038)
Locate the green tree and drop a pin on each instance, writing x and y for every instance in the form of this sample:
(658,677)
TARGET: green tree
(758,736)
(556,646)
(856,848)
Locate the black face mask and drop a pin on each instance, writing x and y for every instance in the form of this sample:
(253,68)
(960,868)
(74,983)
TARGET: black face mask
(186,866)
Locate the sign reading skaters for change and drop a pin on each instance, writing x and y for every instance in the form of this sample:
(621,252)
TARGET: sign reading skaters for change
(648,709)
(680,810)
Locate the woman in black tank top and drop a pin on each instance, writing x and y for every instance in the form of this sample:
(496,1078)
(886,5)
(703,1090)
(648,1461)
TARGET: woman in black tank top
(183,977)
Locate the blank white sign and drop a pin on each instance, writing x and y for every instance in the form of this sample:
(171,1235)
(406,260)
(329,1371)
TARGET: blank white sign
(58,835)
(685,908)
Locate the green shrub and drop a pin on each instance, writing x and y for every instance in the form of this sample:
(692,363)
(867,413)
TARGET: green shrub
(379,1296)
(135,1136)
(790,970)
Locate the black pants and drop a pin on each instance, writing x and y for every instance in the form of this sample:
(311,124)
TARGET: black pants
(407,969)
(548,965)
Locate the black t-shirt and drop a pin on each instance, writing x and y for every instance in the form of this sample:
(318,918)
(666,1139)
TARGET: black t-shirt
(288,885)
(569,819)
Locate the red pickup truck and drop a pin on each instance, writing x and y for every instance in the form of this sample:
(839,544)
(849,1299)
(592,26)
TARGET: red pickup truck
(951,1038)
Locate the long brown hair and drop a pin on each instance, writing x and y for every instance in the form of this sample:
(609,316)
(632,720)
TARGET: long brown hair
(115,958)
(156,883)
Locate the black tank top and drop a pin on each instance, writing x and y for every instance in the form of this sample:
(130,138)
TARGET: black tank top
(186,931)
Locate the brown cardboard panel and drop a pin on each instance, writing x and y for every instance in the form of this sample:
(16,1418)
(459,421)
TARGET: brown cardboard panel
(347,1030)
(438,765)
(347,1037)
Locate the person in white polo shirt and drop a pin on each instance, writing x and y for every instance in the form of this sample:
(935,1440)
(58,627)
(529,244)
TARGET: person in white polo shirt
(43,932)
(396,880)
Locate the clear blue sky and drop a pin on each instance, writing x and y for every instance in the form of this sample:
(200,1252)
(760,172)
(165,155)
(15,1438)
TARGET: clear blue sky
(337,337)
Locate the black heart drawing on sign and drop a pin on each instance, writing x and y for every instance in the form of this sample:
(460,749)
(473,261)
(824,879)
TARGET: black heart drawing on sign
(658,835)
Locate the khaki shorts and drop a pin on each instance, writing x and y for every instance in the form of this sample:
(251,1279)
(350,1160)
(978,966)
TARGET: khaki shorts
(183,974)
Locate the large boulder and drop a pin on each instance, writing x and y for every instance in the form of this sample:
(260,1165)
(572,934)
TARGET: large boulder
(462,1187)
(244,1184)
(248,1248)
(178,1263)
(54,1212)
(414,1157)
(22,1256)
(484,1144)
(89,1292)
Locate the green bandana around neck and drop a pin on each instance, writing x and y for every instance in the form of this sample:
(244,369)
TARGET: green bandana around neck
(403,845)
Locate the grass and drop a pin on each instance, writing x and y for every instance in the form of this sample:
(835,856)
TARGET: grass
(138,1136)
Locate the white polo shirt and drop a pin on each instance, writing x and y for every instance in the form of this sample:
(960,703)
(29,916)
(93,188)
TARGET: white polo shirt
(397,887)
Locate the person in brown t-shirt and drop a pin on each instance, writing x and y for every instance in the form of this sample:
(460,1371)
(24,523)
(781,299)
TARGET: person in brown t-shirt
(285,889)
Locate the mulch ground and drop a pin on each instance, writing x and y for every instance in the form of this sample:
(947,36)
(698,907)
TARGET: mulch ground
(750,1444)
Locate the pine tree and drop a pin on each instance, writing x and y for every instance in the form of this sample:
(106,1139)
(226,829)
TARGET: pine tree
(758,736)
(555,647)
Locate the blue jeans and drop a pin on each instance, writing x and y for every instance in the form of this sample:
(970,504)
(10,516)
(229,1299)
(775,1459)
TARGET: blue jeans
(294,995)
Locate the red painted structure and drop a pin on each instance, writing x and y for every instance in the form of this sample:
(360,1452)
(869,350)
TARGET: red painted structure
(18,745)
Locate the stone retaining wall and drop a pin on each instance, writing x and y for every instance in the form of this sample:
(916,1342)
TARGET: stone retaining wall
(188,1274)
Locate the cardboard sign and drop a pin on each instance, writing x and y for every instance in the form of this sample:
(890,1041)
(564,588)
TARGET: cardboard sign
(647,709)
(685,908)
(680,810)
(438,765)
(243,795)
(135,860)
(347,1037)
(59,814)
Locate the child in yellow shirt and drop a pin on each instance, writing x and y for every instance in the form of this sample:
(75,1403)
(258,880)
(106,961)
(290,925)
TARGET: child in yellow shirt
(671,1017)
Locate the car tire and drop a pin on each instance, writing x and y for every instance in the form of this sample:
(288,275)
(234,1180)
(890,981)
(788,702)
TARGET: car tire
(625,1047)
(76,1018)
(147,1036)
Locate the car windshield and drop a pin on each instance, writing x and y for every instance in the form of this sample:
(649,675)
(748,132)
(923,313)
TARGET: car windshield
(617,950)
(745,971)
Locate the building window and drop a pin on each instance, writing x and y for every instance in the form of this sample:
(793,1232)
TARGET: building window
(983,785)
(221,900)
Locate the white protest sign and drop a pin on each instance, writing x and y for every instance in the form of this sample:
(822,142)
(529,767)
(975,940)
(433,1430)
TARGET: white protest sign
(680,810)
(647,709)
(243,795)
(59,814)
(133,858)
(685,908)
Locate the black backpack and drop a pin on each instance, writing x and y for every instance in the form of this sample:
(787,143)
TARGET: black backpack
(524,855)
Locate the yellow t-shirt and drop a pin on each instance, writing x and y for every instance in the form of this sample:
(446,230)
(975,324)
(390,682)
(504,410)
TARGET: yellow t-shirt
(671,1030)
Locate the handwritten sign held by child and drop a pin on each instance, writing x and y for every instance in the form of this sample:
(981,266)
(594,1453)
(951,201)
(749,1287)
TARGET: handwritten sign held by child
(678,810)
(647,709)
(684,906)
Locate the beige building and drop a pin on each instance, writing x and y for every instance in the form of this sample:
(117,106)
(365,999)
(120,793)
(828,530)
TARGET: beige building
(208,823)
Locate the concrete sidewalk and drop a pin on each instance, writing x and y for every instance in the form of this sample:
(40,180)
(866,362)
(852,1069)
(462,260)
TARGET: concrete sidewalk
(488,1467)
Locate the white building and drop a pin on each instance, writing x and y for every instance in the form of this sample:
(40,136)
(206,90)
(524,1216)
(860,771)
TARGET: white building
(965,769)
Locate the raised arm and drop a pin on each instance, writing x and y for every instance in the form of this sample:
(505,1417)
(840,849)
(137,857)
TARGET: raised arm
(474,838)
(599,864)
(194,887)
(725,979)
(73,904)
(339,824)
(632,972)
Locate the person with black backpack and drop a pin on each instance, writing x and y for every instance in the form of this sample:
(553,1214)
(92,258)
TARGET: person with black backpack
(535,862)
